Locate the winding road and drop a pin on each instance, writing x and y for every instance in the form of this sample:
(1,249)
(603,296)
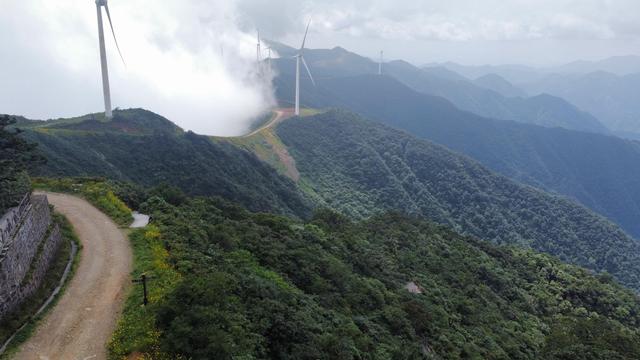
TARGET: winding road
(280,115)
(82,322)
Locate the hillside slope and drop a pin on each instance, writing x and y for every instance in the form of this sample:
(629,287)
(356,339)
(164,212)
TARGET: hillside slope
(263,286)
(355,166)
(145,148)
(602,172)
(361,168)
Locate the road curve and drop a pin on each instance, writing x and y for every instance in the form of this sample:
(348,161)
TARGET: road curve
(280,115)
(83,320)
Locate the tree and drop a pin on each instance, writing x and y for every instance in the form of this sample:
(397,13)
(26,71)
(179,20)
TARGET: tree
(17,156)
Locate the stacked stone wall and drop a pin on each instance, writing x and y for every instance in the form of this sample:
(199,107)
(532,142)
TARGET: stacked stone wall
(29,241)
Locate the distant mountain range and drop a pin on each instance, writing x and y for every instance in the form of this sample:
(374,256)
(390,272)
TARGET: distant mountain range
(519,74)
(613,99)
(607,88)
(488,100)
(600,171)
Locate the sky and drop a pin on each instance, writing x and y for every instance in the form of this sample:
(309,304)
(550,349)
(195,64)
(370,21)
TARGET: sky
(193,61)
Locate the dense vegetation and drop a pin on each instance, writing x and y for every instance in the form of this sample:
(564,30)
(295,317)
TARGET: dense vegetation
(361,168)
(356,167)
(144,148)
(602,172)
(16,157)
(237,285)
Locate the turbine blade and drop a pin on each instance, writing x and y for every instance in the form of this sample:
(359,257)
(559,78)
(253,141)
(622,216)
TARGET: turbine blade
(106,7)
(308,71)
(305,35)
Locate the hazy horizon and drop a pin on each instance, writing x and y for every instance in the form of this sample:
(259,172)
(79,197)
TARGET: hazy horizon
(175,65)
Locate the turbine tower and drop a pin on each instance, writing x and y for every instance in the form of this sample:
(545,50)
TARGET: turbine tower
(258,57)
(103,55)
(269,60)
(380,63)
(299,58)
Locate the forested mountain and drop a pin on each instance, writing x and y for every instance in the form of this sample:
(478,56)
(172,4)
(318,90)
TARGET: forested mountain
(344,167)
(16,157)
(361,168)
(262,286)
(613,99)
(545,111)
(147,149)
(602,172)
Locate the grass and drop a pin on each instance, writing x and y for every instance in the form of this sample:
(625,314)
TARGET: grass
(136,331)
(24,314)
(94,190)
(261,121)
(263,144)
(310,112)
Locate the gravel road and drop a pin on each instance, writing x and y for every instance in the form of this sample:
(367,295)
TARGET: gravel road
(83,320)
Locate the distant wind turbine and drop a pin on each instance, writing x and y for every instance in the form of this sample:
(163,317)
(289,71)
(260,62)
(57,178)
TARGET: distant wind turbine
(299,58)
(269,59)
(103,55)
(259,54)
(380,63)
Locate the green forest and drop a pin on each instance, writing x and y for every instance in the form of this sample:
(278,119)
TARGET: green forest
(600,171)
(360,169)
(252,286)
(17,156)
(141,147)
(361,258)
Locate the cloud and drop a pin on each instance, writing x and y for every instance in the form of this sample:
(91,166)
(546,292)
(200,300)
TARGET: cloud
(455,20)
(174,63)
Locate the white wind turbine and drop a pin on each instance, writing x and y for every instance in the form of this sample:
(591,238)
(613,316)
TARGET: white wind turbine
(269,60)
(258,52)
(103,56)
(299,58)
(380,63)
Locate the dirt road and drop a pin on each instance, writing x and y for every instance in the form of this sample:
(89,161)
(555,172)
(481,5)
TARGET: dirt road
(280,115)
(83,320)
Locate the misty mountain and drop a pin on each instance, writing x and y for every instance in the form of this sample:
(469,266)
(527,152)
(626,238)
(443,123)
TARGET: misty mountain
(361,168)
(515,74)
(613,99)
(548,111)
(500,85)
(602,172)
(522,74)
(618,65)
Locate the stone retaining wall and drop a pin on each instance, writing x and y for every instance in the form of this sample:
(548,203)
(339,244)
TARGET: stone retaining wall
(29,243)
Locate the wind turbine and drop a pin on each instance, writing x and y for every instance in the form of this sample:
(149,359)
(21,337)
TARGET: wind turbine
(380,63)
(103,55)
(299,58)
(269,59)
(259,54)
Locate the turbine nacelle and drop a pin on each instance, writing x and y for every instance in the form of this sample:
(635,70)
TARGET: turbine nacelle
(101,2)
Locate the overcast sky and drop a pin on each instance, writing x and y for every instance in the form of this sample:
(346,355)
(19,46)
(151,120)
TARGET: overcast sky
(49,57)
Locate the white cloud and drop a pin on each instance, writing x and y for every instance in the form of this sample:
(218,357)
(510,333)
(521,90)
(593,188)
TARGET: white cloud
(172,48)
